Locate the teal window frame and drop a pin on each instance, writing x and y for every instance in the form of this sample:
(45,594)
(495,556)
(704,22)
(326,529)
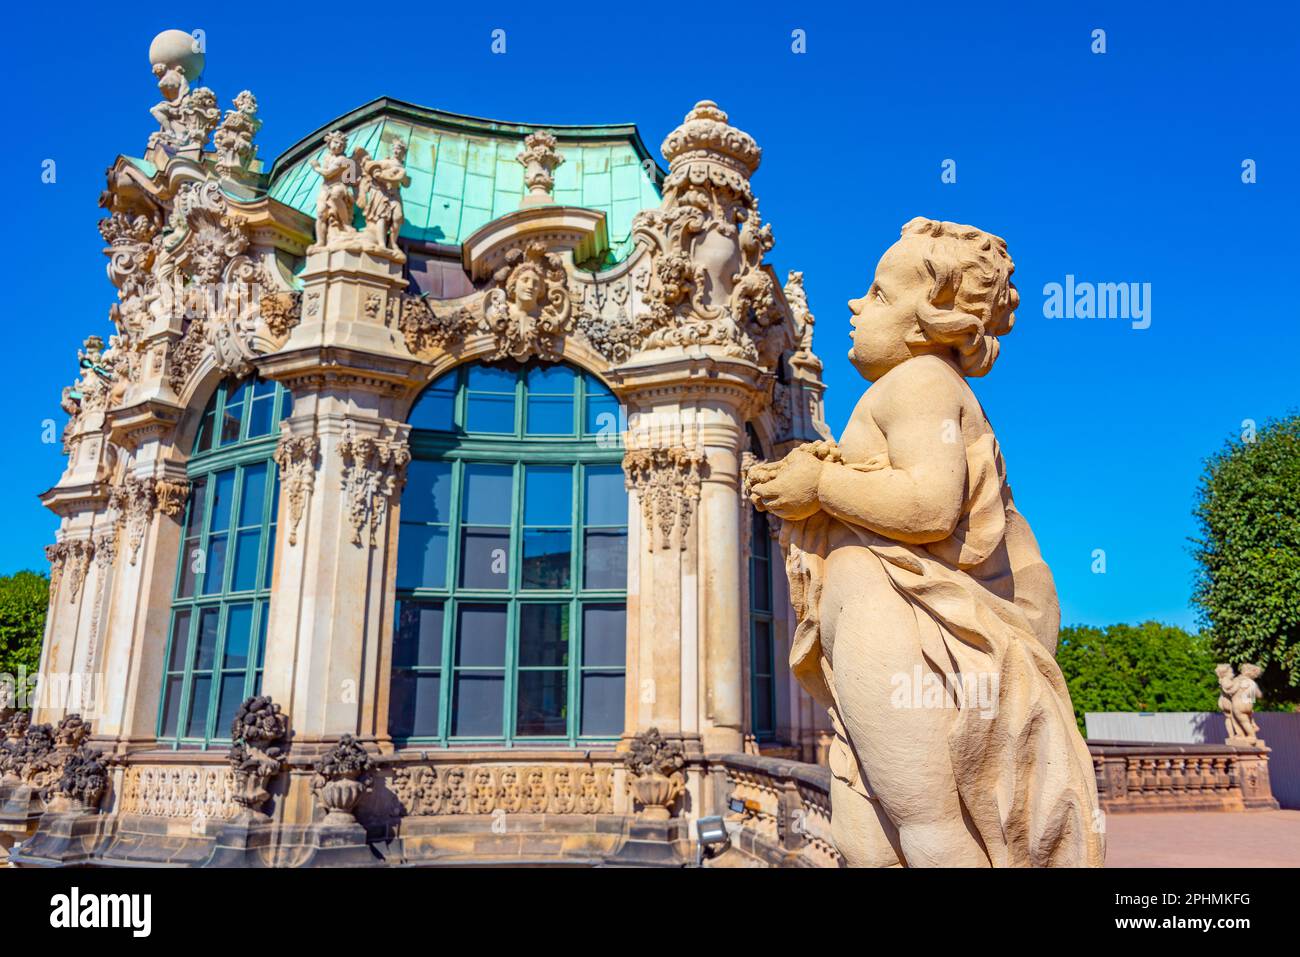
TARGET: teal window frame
(238,449)
(581,449)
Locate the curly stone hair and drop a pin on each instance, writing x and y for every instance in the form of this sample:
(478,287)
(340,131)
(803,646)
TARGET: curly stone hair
(972,298)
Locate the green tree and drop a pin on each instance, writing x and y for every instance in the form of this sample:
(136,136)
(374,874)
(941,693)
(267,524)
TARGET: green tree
(24,597)
(1248,582)
(1146,667)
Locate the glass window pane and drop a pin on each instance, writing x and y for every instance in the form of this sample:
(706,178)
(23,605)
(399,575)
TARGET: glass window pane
(550,380)
(476,705)
(264,617)
(205,651)
(239,626)
(421,556)
(250,496)
(246,549)
(543,635)
(286,404)
(232,696)
(604,636)
(605,500)
(602,704)
(762,663)
(198,506)
(547,555)
(602,418)
(191,561)
(481,636)
(542,703)
(180,641)
(232,414)
(550,415)
(485,558)
(548,495)
(222,500)
(259,417)
(418,642)
(489,494)
(200,702)
(203,441)
(427,494)
(491,413)
(605,558)
(214,565)
(485,378)
(763,717)
(414,708)
(435,408)
(171,706)
(761,586)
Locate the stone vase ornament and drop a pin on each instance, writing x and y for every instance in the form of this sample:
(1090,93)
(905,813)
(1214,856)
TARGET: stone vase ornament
(655,774)
(82,785)
(343,775)
(258,735)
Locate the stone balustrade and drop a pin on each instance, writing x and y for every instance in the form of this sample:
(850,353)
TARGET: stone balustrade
(1149,776)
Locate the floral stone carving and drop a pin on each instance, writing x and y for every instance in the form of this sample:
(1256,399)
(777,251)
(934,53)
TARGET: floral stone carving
(655,774)
(667,484)
(258,734)
(343,774)
(234,138)
(374,468)
(298,458)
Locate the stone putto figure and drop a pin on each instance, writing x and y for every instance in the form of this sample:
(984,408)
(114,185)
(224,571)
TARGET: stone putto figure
(927,616)
(336,202)
(381,196)
(185,116)
(1237,702)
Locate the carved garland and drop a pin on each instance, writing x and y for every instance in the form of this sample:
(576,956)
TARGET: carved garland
(298,458)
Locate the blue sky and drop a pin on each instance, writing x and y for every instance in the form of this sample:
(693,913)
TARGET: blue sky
(1120,167)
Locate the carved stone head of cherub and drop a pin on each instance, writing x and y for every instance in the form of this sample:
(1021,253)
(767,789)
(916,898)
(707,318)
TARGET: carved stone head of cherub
(941,289)
(1251,671)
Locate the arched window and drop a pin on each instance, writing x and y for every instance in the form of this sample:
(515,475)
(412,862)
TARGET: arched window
(512,561)
(762,645)
(223,580)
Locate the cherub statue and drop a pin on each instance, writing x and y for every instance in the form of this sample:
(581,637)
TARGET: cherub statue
(336,202)
(1237,702)
(381,196)
(174,87)
(909,562)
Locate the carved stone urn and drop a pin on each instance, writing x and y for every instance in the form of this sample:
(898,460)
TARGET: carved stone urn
(256,753)
(655,775)
(343,774)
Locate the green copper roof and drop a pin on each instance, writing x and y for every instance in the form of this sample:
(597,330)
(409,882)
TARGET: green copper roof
(464,174)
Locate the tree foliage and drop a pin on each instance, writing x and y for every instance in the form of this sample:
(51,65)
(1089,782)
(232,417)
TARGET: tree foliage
(1248,583)
(24,597)
(1146,667)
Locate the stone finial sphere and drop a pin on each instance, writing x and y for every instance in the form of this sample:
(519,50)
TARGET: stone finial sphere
(177,48)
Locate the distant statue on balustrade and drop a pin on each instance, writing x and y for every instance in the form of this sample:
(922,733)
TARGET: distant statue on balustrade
(927,617)
(1237,702)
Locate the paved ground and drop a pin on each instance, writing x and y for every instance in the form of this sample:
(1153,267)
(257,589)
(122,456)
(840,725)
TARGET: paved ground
(1195,839)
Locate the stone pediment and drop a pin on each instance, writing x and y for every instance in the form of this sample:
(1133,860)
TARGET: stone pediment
(559,228)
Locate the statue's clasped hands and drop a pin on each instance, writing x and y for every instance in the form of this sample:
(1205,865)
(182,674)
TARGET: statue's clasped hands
(788,488)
